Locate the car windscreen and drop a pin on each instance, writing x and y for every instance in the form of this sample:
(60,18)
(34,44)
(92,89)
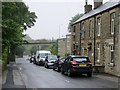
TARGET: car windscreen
(52,57)
(43,55)
(62,59)
(80,59)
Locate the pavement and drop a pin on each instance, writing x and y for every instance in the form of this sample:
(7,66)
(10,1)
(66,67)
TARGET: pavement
(108,77)
(12,78)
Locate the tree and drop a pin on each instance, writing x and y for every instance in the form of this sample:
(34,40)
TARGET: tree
(33,50)
(19,51)
(75,18)
(15,19)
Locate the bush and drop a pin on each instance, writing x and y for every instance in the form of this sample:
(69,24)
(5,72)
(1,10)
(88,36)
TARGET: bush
(4,59)
(0,61)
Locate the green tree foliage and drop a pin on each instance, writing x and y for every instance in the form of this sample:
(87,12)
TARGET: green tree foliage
(75,18)
(33,50)
(19,51)
(16,18)
(53,49)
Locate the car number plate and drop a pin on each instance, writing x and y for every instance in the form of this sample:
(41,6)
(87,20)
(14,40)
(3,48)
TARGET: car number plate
(82,65)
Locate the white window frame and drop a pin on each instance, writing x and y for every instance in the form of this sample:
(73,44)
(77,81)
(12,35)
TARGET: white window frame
(111,51)
(99,25)
(83,51)
(82,47)
(90,28)
(98,48)
(112,25)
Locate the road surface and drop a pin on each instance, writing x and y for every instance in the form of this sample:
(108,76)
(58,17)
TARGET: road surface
(35,76)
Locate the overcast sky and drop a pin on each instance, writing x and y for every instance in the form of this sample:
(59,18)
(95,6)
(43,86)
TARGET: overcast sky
(53,17)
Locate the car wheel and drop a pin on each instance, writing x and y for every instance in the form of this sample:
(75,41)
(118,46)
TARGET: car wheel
(69,73)
(89,74)
(33,62)
(62,71)
(58,69)
(47,66)
(54,68)
(30,61)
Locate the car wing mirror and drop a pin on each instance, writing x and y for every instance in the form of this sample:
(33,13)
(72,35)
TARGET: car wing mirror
(38,57)
(64,61)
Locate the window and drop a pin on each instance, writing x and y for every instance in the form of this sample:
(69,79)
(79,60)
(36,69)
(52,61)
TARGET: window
(73,46)
(73,38)
(52,57)
(98,49)
(98,26)
(112,16)
(82,30)
(80,59)
(74,29)
(111,54)
(82,48)
(90,28)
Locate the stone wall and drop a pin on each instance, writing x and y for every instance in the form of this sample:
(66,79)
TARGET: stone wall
(62,47)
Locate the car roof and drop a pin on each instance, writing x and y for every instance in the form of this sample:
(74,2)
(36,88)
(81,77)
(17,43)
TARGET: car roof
(51,55)
(44,51)
(78,56)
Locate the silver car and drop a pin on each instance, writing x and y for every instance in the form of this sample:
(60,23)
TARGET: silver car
(49,61)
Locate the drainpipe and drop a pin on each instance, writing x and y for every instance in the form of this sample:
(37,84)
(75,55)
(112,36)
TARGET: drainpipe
(80,41)
(94,37)
(119,50)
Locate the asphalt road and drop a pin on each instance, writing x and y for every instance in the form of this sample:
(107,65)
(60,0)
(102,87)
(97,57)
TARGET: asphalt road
(39,77)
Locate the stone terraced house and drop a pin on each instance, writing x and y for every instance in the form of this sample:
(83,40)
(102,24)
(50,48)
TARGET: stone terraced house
(96,34)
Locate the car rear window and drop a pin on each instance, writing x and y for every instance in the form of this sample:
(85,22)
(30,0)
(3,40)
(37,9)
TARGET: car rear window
(52,57)
(80,59)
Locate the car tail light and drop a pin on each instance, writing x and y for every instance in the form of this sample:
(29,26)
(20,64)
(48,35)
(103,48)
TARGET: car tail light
(73,63)
(59,62)
(89,62)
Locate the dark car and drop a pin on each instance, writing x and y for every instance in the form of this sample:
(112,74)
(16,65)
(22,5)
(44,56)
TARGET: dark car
(49,61)
(57,64)
(77,65)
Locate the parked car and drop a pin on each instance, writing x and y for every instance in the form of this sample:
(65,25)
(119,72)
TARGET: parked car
(57,64)
(77,65)
(49,61)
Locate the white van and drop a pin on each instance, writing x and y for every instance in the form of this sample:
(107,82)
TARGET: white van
(40,56)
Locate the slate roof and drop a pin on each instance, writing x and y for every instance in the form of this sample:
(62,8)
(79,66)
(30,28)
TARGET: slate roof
(102,8)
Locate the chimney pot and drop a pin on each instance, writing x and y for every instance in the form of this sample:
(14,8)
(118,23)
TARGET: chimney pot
(97,3)
(88,8)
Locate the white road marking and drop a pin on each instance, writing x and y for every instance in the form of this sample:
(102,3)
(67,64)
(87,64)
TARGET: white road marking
(20,69)
(67,81)
(34,89)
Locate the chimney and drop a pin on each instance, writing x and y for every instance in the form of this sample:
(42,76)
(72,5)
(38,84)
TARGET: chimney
(87,7)
(97,3)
